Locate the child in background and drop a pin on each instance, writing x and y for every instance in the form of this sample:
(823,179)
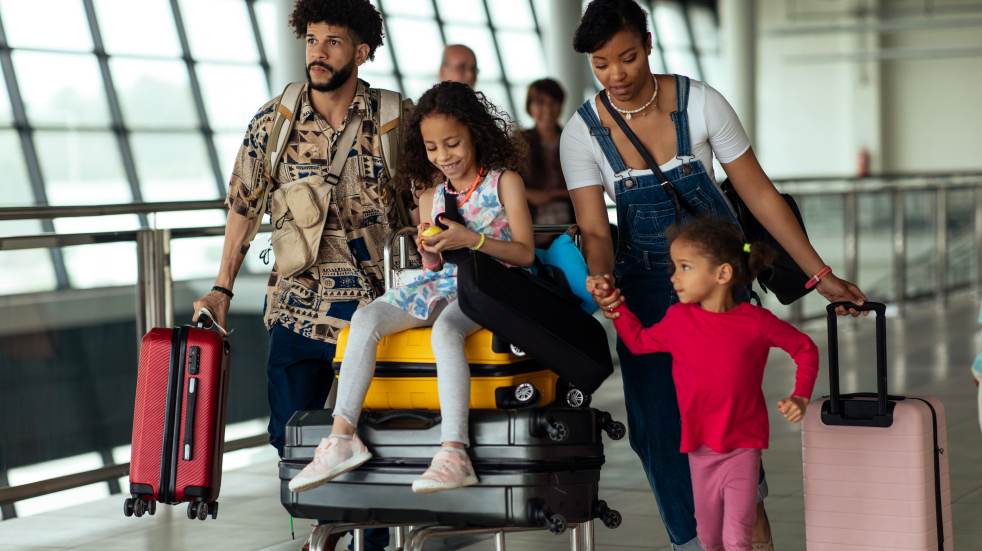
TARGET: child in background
(719,349)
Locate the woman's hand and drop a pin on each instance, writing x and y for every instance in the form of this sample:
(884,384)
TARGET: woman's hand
(839,290)
(456,236)
(604,293)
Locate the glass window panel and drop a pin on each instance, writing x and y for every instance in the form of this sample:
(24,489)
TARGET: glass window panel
(382,62)
(711,71)
(82,168)
(89,224)
(197,258)
(512,14)
(704,28)
(384,81)
(6,113)
(164,179)
(654,59)
(671,24)
(232,110)
(227,145)
(46,24)
(496,94)
(102,265)
(71,95)
(26,271)
(121,36)
(682,62)
(51,469)
(16,185)
(523,56)
(232,41)
(417,44)
(187,219)
(462,11)
(415,86)
(479,39)
(418,8)
(154,93)
(270,26)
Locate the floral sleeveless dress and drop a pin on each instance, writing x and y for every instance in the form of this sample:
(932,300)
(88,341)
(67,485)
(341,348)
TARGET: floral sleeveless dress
(482,213)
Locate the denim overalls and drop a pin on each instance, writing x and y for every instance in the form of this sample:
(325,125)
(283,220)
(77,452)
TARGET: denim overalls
(644,212)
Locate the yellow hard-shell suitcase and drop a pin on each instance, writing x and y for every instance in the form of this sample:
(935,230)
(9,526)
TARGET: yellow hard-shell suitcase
(405,373)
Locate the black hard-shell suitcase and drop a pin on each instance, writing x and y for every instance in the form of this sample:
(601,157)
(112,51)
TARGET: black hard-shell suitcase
(537,467)
(526,495)
(498,437)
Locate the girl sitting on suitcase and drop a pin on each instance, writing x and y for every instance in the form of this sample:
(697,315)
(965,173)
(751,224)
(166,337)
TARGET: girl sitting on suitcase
(719,348)
(463,147)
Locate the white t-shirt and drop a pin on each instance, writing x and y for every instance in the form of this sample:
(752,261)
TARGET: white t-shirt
(713,128)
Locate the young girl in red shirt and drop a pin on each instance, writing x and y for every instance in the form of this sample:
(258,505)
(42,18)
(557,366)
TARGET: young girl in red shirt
(719,348)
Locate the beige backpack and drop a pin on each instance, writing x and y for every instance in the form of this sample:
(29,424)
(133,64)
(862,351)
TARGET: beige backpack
(298,209)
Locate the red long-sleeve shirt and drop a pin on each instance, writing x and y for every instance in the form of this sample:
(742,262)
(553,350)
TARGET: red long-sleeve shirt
(718,364)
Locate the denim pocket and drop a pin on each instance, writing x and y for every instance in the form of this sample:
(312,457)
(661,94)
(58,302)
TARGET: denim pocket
(648,222)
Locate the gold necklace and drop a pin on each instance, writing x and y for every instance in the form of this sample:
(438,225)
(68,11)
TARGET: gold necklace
(628,113)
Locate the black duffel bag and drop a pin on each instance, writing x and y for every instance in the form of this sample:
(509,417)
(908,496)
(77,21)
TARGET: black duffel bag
(537,313)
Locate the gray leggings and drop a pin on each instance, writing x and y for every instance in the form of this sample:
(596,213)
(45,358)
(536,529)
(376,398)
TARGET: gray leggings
(450,328)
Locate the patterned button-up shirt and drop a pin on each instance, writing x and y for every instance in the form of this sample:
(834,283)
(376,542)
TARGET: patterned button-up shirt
(320,301)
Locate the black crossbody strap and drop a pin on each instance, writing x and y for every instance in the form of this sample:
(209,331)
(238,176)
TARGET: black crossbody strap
(666,184)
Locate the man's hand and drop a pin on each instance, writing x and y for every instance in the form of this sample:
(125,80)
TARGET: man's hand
(793,408)
(216,303)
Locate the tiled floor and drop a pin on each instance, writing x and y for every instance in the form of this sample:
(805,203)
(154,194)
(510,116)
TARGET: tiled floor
(929,351)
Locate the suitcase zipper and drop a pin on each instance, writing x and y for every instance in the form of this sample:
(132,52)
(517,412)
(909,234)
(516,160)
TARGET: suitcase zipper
(938,506)
(172,419)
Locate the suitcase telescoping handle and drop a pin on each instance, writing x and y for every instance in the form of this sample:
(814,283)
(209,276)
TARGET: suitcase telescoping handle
(858,413)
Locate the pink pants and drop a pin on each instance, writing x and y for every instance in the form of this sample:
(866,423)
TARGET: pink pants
(725,489)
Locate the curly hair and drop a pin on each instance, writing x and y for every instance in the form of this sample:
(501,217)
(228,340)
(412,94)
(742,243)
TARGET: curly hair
(722,242)
(358,16)
(605,18)
(492,132)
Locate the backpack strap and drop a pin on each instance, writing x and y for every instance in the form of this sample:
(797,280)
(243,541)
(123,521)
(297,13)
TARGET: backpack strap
(279,137)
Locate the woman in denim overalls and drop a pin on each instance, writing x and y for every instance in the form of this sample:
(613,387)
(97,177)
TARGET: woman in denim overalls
(614,33)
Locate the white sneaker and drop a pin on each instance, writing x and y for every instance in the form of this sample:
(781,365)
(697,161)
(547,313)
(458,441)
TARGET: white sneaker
(451,468)
(334,456)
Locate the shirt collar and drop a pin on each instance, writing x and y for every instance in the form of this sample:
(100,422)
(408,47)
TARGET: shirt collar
(359,104)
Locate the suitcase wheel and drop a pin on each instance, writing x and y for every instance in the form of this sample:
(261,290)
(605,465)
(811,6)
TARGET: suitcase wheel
(213,509)
(517,351)
(526,393)
(556,523)
(557,431)
(152,507)
(576,398)
(193,510)
(202,511)
(611,518)
(139,507)
(128,507)
(615,430)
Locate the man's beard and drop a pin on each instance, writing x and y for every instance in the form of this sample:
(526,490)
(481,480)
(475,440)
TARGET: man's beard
(338,78)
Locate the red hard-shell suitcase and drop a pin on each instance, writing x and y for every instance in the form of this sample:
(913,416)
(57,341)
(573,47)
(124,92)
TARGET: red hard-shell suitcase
(179,421)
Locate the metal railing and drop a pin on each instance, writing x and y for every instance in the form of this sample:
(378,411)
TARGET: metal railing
(155,287)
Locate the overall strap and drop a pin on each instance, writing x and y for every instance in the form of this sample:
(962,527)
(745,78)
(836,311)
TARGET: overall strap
(683,142)
(602,135)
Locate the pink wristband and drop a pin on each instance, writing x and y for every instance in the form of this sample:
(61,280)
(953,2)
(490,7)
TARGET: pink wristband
(815,279)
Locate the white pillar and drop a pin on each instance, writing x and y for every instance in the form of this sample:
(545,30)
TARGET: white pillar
(286,57)
(566,66)
(738,45)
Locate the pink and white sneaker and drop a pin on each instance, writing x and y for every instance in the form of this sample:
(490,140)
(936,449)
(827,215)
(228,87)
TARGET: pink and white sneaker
(335,456)
(451,468)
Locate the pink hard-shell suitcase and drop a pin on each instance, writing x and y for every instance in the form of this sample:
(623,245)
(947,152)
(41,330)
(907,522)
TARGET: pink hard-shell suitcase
(875,467)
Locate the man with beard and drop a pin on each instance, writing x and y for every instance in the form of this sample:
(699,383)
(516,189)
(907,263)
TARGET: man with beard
(459,64)
(305,312)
